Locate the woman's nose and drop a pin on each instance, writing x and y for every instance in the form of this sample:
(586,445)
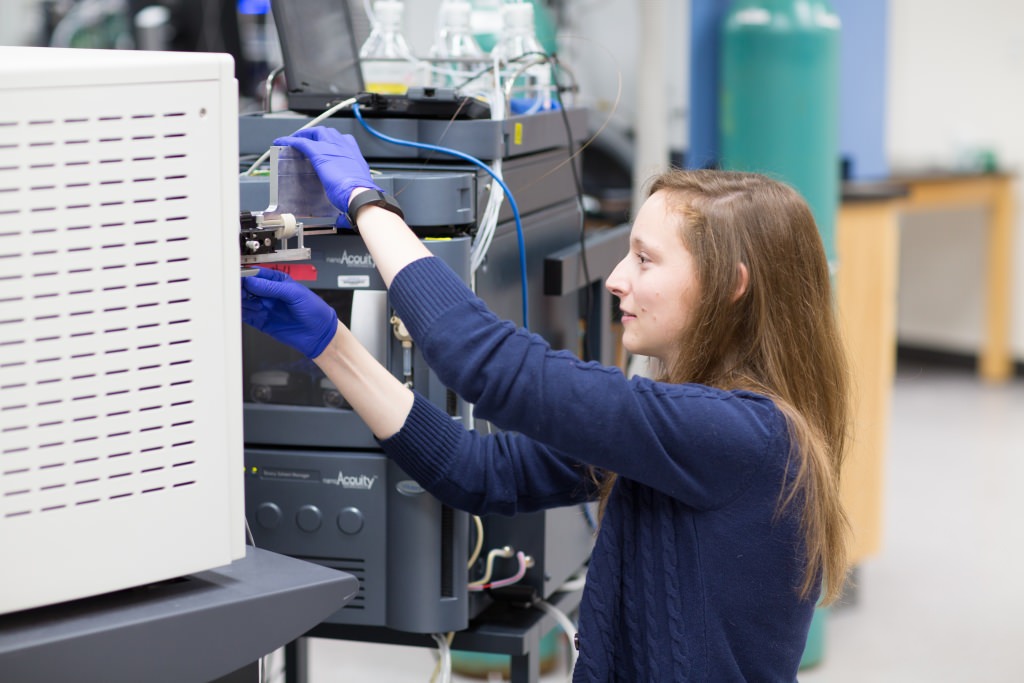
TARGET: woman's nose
(615,282)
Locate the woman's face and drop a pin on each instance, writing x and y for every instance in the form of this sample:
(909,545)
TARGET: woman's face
(656,283)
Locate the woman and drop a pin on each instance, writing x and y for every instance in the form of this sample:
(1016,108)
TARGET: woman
(719,481)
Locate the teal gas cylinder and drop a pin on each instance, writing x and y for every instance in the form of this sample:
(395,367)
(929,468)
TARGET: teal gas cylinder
(779,99)
(779,115)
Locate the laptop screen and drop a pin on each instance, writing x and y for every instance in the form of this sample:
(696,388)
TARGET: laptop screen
(320,42)
(320,52)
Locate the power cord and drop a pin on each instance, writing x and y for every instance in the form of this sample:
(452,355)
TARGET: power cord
(444,664)
(524,563)
(344,104)
(476,162)
(479,525)
(573,584)
(587,301)
(563,620)
(489,568)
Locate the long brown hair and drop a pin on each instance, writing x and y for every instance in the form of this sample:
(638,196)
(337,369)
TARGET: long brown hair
(779,338)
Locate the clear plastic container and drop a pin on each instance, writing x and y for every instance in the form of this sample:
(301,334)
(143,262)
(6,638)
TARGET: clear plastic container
(531,91)
(456,43)
(387,62)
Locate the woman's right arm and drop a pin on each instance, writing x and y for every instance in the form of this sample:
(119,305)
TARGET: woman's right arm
(504,473)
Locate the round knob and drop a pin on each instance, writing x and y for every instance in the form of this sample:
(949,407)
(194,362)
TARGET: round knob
(268,515)
(350,520)
(308,518)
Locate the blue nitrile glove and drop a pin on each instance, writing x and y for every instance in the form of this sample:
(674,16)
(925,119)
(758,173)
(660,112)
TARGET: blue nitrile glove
(275,304)
(337,161)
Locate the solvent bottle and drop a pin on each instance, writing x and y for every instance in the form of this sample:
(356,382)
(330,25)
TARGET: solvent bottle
(455,42)
(387,63)
(531,91)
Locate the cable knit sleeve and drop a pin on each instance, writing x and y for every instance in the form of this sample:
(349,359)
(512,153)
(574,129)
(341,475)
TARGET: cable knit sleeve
(502,473)
(698,444)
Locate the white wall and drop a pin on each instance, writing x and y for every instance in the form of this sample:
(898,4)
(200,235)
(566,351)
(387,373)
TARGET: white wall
(600,42)
(956,81)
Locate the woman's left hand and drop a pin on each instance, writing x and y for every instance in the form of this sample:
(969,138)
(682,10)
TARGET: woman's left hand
(275,304)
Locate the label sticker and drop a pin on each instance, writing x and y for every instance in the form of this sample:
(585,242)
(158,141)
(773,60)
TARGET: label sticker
(290,474)
(408,487)
(353,281)
(297,271)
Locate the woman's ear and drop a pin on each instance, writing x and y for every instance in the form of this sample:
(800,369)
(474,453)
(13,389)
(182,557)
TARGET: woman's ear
(742,281)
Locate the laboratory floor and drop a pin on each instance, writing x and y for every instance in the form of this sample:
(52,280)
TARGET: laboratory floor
(944,599)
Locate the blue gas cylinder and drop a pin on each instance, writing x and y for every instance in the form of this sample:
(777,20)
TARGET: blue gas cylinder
(779,99)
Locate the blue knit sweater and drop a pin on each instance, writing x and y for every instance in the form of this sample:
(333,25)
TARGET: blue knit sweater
(694,575)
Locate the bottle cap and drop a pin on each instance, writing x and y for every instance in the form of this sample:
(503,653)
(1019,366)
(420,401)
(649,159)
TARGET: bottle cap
(388,11)
(518,16)
(456,14)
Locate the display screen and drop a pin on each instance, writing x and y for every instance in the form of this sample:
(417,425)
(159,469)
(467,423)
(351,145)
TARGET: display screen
(276,373)
(319,47)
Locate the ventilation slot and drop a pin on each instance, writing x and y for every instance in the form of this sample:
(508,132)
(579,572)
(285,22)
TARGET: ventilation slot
(447,552)
(111,155)
(87,307)
(355,567)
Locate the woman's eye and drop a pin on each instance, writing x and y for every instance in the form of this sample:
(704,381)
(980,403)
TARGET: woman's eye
(643,258)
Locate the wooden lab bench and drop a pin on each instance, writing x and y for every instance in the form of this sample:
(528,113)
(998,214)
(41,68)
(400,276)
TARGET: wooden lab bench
(867,245)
